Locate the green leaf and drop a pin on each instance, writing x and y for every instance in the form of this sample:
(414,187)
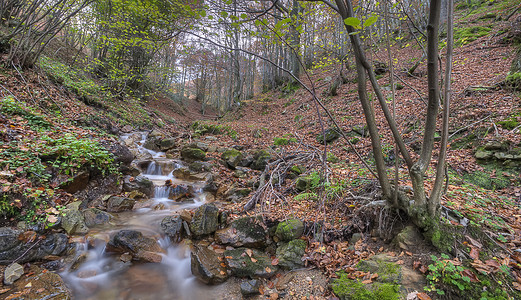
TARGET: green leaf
(202,13)
(353,22)
(224,14)
(370,21)
(244,16)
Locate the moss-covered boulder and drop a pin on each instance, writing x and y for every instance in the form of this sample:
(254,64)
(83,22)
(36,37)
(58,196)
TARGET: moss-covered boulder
(289,230)
(191,154)
(290,254)
(205,220)
(232,158)
(167,144)
(249,262)
(246,231)
(329,136)
(260,159)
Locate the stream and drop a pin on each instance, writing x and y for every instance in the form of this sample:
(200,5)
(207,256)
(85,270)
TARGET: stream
(104,275)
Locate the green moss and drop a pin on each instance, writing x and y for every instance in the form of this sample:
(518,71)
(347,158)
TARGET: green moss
(485,179)
(332,158)
(467,35)
(514,80)
(346,288)
(289,230)
(280,141)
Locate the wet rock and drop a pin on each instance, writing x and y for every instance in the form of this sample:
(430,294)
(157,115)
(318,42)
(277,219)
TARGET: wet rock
(152,143)
(192,154)
(42,284)
(73,221)
(206,265)
(180,192)
(98,188)
(246,231)
(290,254)
(260,160)
(140,247)
(250,287)
(408,237)
(187,174)
(329,136)
(139,183)
(14,248)
(119,204)
(12,273)
(205,220)
(289,230)
(167,144)
(172,226)
(249,262)
(94,217)
(232,158)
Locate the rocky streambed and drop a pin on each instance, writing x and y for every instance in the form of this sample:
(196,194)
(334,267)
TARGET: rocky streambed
(159,234)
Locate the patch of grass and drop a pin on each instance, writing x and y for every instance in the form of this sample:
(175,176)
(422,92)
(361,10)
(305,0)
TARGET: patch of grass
(463,36)
(346,288)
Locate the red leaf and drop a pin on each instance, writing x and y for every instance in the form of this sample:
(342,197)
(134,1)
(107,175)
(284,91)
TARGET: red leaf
(474,253)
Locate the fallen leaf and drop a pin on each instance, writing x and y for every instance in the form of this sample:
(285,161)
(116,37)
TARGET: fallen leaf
(368,281)
(249,252)
(267,269)
(275,262)
(474,253)
(253,260)
(400,262)
(470,274)
(423,296)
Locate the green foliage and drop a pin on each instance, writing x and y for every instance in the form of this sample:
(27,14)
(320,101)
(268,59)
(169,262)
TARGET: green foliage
(12,107)
(346,288)
(485,179)
(463,36)
(445,272)
(514,80)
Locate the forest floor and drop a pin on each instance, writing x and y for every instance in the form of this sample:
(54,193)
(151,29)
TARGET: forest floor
(483,110)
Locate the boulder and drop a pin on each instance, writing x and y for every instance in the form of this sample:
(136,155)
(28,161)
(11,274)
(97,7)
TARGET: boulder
(246,231)
(408,237)
(329,136)
(13,245)
(12,273)
(289,230)
(152,143)
(290,254)
(484,154)
(94,217)
(205,220)
(127,129)
(179,192)
(199,166)
(199,145)
(303,183)
(249,262)
(167,144)
(119,204)
(140,247)
(72,220)
(139,183)
(172,226)
(121,153)
(190,154)
(260,160)
(232,158)
(250,287)
(206,265)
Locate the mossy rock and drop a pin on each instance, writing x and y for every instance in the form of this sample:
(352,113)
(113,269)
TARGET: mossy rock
(290,254)
(232,158)
(205,220)
(289,230)
(382,264)
(192,154)
(260,160)
(330,135)
(249,262)
(246,231)
(351,289)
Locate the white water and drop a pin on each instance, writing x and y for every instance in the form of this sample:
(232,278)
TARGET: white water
(104,276)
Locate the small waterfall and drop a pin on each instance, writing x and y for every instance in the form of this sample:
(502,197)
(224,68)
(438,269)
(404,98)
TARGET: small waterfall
(162,192)
(154,169)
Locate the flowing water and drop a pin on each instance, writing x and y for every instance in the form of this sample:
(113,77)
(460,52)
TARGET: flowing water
(103,275)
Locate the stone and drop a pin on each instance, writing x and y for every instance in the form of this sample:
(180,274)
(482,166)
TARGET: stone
(140,247)
(503,156)
(119,204)
(167,144)
(206,265)
(156,134)
(483,154)
(127,129)
(152,143)
(250,287)
(199,166)
(192,154)
(12,248)
(76,183)
(289,230)
(232,158)
(246,231)
(303,183)
(246,161)
(249,262)
(94,217)
(496,145)
(355,238)
(172,226)
(12,273)
(73,221)
(121,153)
(205,220)
(408,237)
(260,159)
(290,254)
(329,135)
(42,284)
(383,265)
(138,183)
